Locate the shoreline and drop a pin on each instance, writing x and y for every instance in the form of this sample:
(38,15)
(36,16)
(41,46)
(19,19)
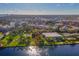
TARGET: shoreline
(59,43)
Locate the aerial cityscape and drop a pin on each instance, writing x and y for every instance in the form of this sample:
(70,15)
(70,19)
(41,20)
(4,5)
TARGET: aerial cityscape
(38,28)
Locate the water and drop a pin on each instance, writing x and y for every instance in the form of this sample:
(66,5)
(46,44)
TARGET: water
(63,50)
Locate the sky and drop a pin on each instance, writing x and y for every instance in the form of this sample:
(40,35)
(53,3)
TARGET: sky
(39,8)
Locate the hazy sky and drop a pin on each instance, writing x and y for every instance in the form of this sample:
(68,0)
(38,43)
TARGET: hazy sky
(38,8)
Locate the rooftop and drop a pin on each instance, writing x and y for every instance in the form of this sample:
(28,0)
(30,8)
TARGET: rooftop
(51,34)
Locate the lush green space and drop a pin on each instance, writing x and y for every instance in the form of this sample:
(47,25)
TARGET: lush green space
(20,37)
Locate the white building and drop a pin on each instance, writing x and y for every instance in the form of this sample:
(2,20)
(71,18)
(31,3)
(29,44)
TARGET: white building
(12,24)
(52,34)
(71,28)
(4,26)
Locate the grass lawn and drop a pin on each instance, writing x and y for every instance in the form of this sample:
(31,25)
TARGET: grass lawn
(5,40)
(21,45)
(32,41)
(15,41)
(58,43)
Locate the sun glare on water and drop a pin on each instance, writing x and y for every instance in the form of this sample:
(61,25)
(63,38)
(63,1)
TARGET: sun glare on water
(35,51)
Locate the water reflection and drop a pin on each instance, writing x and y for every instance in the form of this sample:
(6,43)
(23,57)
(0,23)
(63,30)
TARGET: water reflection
(41,51)
(2,49)
(36,51)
